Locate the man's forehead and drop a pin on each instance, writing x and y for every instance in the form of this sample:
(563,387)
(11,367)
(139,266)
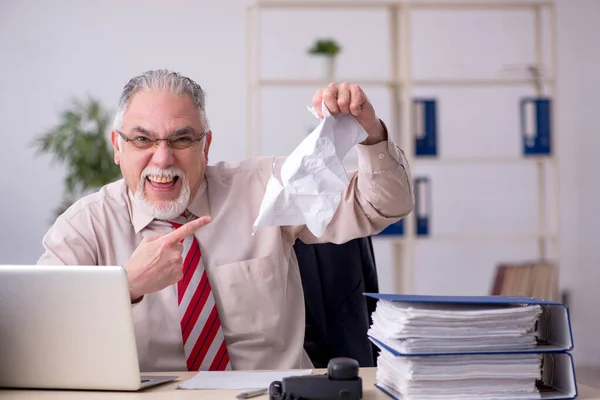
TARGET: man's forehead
(161,113)
(162,103)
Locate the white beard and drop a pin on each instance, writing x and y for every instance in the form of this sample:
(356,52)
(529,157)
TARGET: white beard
(163,210)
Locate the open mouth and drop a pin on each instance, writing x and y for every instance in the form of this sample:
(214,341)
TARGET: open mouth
(162,182)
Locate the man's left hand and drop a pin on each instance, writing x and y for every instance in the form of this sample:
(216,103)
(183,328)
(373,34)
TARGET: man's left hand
(345,98)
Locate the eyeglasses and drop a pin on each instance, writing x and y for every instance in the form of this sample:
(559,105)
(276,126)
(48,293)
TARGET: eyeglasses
(178,142)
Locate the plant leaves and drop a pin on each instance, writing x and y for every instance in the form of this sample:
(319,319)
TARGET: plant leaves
(80,141)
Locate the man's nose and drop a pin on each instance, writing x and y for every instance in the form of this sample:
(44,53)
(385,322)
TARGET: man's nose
(163,155)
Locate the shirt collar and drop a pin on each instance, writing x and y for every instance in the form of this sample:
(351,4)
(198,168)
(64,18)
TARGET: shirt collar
(198,207)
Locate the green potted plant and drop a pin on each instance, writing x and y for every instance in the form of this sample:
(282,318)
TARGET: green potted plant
(80,141)
(326,51)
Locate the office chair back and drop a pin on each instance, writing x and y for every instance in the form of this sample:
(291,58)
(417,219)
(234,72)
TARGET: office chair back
(334,278)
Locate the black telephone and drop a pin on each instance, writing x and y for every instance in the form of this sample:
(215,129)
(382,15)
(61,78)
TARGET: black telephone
(340,382)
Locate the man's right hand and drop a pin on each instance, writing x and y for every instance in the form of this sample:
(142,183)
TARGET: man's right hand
(157,262)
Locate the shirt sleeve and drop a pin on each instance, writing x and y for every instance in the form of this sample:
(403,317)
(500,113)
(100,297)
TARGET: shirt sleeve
(379,194)
(67,243)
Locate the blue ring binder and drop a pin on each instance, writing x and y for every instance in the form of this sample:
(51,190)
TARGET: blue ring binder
(425,127)
(557,378)
(536,125)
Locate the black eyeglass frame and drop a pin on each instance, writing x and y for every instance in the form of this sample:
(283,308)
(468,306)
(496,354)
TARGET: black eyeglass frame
(155,142)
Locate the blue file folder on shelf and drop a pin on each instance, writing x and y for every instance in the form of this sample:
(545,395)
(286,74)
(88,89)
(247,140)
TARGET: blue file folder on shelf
(425,127)
(422,205)
(536,124)
(550,349)
(396,229)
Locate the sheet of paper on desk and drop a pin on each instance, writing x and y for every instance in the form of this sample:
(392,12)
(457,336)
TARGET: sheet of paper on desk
(312,176)
(238,379)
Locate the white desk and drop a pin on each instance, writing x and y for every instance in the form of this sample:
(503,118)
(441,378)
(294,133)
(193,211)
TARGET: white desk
(169,392)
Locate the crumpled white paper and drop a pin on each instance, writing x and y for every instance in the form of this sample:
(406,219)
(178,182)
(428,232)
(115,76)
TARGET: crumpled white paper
(312,177)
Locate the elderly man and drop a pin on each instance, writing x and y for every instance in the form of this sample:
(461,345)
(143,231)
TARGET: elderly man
(206,293)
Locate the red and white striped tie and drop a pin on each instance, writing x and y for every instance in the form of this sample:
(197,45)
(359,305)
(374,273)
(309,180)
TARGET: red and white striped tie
(203,339)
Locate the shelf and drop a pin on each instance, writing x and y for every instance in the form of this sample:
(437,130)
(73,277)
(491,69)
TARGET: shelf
(457,237)
(404,85)
(425,160)
(323,4)
(322,82)
(493,5)
(489,5)
(480,82)
(390,82)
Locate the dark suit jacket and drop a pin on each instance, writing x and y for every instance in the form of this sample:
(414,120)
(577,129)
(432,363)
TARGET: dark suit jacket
(334,278)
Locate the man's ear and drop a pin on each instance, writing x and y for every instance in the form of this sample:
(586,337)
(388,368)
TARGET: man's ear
(114,139)
(207,142)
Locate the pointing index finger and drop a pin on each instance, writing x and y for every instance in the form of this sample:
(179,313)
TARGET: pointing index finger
(186,229)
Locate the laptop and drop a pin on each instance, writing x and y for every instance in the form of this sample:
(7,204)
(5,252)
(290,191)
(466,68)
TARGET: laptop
(68,327)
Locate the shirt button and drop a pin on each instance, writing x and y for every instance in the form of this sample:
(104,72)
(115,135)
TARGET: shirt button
(381,156)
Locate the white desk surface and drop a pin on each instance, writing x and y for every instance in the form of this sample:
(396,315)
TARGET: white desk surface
(168,391)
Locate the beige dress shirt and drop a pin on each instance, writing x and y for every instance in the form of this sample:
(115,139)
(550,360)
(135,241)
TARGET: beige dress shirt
(255,278)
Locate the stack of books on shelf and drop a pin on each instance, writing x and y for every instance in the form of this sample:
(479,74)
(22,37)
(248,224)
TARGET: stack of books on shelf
(472,347)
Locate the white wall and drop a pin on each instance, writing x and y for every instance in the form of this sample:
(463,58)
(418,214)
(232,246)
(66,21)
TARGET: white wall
(580,192)
(53,51)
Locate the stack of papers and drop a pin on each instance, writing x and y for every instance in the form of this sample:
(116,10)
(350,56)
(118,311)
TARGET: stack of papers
(457,350)
(481,376)
(431,328)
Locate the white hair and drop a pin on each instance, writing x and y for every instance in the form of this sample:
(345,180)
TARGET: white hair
(162,80)
(163,210)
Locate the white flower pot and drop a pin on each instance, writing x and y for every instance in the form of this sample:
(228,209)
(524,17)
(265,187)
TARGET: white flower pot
(324,67)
